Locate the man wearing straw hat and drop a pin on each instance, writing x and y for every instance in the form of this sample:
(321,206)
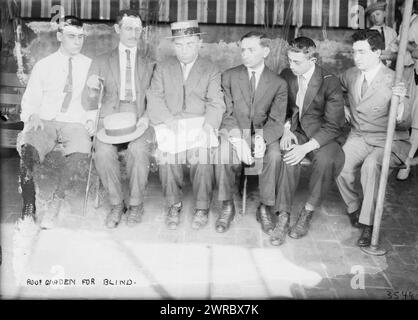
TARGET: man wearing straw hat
(183,87)
(125,76)
(52,112)
(256,101)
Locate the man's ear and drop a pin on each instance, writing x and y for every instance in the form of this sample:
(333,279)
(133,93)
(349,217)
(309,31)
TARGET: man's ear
(59,36)
(117,28)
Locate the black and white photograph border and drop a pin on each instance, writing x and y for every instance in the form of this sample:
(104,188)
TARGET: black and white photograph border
(80,258)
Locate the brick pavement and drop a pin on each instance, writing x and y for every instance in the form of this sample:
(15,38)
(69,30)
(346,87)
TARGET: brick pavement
(206,265)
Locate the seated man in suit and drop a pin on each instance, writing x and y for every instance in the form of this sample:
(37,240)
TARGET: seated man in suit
(52,113)
(369,87)
(182,87)
(316,108)
(256,100)
(125,76)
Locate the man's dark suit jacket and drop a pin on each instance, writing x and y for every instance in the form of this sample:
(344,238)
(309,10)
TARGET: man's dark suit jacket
(323,107)
(267,111)
(107,67)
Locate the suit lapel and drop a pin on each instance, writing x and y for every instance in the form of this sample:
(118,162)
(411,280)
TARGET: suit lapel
(312,90)
(375,83)
(263,85)
(114,67)
(244,84)
(293,86)
(354,86)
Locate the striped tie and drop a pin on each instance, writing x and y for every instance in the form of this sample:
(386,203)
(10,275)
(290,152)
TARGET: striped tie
(68,89)
(128,79)
(252,86)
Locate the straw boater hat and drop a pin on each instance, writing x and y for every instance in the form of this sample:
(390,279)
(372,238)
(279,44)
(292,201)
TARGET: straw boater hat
(120,128)
(379,5)
(185,28)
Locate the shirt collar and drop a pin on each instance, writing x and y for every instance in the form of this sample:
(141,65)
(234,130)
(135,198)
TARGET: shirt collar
(259,70)
(308,74)
(123,48)
(378,27)
(371,74)
(190,64)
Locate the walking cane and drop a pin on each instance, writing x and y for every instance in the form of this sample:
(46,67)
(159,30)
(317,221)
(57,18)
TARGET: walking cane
(96,123)
(374,249)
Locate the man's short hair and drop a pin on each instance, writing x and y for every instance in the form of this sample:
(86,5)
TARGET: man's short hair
(305,45)
(264,40)
(373,37)
(129,13)
(70,21)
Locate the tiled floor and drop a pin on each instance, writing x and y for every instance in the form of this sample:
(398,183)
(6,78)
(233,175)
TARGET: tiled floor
(203,264)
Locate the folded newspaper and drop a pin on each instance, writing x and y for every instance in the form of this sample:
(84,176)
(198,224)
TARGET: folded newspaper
(187,136)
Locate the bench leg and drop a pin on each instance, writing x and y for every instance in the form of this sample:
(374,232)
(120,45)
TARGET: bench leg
(97,196)
(244,195)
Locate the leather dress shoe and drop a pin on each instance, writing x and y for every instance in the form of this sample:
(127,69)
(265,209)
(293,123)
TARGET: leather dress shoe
(29,209)
(200,218)
(227,215)
(354,219)
(173,216)
(263,216)
(366,237)
(278,236)
(114,216)
(301,228)
(134,215)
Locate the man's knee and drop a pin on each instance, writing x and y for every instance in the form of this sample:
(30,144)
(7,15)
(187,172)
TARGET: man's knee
(330,158)
(139,149)
(29,156)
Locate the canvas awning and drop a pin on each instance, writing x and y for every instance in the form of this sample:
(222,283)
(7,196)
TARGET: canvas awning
(329,13)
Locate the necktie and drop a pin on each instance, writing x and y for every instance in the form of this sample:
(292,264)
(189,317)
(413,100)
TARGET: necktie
(383,35)
(252,86)
(68,89)
(364,87)
(128,75)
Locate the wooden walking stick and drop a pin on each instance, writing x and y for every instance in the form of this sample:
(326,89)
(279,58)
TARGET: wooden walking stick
(96,123)
(374,249)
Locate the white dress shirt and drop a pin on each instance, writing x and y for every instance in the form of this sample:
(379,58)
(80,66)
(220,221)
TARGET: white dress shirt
(122,63)
(258,71)
(391,37)
(370,75)
(303,81)
(45,94)
(186,68)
